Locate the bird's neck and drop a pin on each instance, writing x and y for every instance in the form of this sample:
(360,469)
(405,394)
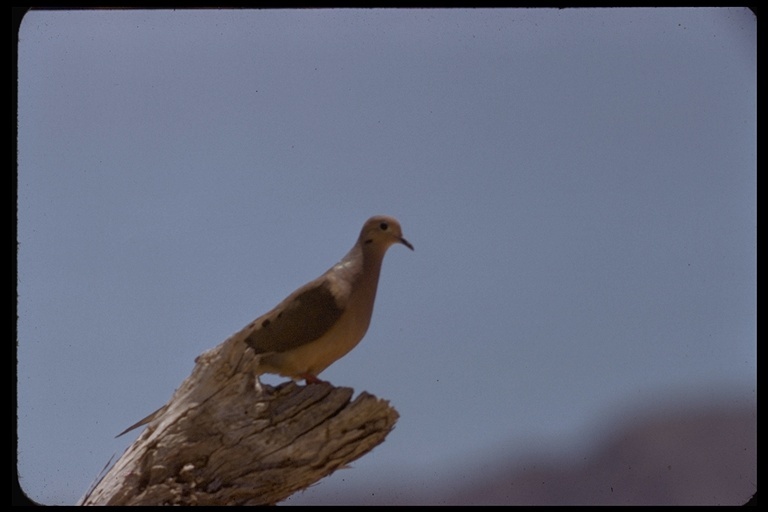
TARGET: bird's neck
(364,266)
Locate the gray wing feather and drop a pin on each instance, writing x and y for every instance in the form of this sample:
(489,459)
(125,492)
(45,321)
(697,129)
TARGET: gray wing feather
(300,319)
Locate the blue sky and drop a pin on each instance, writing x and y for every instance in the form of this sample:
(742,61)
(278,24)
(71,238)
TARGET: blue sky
(579,185)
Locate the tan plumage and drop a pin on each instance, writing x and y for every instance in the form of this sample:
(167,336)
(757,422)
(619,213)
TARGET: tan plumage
(324,319)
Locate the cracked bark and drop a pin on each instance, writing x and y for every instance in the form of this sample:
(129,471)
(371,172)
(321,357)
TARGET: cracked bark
(219,441)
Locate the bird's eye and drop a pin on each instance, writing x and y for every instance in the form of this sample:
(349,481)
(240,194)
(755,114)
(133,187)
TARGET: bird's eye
(384,226)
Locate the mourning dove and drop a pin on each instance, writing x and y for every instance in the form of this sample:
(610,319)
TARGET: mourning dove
(324,319)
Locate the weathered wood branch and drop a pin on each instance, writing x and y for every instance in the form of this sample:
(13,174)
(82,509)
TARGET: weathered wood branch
(221,441)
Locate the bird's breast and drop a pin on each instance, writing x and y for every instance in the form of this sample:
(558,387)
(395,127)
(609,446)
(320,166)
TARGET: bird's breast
(315,356)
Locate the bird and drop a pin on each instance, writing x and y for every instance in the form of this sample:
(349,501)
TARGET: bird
(323,320)
(326,318)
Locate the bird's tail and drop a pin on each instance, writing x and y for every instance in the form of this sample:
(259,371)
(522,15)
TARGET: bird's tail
(143,421)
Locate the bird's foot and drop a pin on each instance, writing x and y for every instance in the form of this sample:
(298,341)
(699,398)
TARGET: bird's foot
(311,379)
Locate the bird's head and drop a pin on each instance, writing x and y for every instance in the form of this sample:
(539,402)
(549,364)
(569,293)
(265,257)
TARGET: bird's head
(381,231)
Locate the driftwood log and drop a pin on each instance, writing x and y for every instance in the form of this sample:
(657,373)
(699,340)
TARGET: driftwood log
(221,440)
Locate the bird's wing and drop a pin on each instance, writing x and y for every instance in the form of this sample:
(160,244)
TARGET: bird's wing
(304,316)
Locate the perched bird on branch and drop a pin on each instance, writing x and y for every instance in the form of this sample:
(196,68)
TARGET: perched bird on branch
(324,319)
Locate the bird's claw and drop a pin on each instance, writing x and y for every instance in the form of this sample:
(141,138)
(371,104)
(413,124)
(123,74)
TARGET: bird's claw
(311,379)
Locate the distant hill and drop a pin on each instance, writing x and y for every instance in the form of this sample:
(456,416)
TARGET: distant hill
(670,457)
(693,458)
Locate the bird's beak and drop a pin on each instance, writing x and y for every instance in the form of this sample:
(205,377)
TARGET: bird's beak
(406,243)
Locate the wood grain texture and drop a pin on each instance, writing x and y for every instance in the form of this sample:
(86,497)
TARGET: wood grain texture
(220,441)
